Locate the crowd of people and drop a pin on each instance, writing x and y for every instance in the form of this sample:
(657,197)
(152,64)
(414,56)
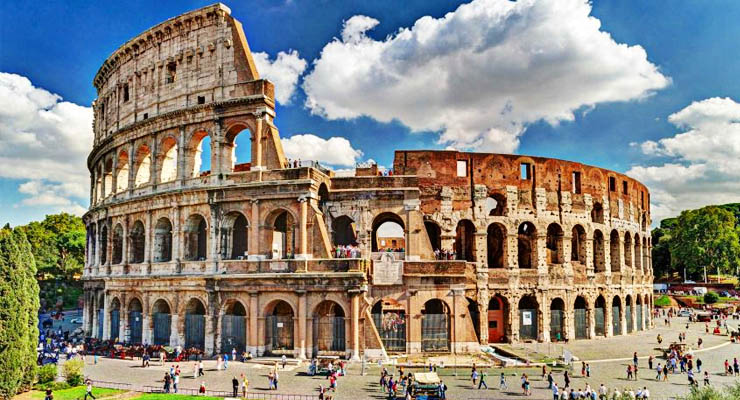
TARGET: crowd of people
(347,251)
(444,254)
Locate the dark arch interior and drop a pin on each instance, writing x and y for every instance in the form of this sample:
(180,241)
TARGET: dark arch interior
(597,213)
(580,303)
(528,302)
(496,205)
(526,245)
(465,240)
(557,304)
(282,308)
(161,306)
(381,220)
(435,306)
(328,308)
(343,231)
(195,306)
(236,308)
(323,196)
(496,246)
(135,305)
(434,233)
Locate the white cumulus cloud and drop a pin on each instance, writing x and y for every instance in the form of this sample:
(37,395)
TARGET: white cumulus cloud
(481,73)
(335,151)
(45,144)
(283,71)
(702,159)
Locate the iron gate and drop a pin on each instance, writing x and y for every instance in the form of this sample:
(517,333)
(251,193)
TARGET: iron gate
(134,326)
(195,331)
(233,333)
(435,335)
(600,328)
(528,324)
(557,319)
(279,332)
(581,323)
(392,329)
(115,322)
(162,326)
(616,325)
(101,322)
(628,315)
(639,317)
(328,334)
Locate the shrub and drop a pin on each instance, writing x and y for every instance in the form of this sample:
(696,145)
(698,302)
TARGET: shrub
(46,374)
(72,370)
(710,297)
(663,301)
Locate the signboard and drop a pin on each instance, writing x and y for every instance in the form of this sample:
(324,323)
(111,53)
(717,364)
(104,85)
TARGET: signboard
(527,318)
(278,266)
(387,271)
(279,324)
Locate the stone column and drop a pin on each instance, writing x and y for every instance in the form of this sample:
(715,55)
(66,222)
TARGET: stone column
(252,338)
(608,325)
(213,232)
(257,162)
(512,250)
(623,316)
(513,318)
(106,317)
(149,233)
(210,336)
(301,342)
(590,257)
(95,318)
(591,317)
(146,321)
(177,235)
(177,330)
(254,231)
(124,242)
(540,259)
(355,326)
(182,155)
(544,306)
(131,165)
(114,174)
(302,229)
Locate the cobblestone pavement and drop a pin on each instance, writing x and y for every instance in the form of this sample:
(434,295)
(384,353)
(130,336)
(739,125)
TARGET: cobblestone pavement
(355,386)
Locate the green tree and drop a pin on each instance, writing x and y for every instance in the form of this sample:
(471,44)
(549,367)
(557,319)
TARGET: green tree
(711,298)
(707,237)
(58,244)
(19,304)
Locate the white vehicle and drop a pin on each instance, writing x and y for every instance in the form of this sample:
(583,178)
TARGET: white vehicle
(684,313)
(76,321)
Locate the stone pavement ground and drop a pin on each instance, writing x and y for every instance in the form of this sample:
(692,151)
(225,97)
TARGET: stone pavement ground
(293,380)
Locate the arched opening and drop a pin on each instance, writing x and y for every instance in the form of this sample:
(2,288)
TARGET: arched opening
(614,251)
(99,184)
(528,318)
(554,244)
(143,166)
(495,205)
(138,243)
(616,316)
(163,240)
(168,160)
(496,240)
(389,317)
(279,328)
(101,316)
(283,236)
(388,233)
(196,238)
(527,245)
(639,311)
(162,323)
(343,231)
(627,249)
(435,326)
(498,313)
(474,312)
(557,320)
(465,240)
(328,328)
(104,245)
(91,239)
(580,318)
(600,316)
(115,320)
(117,244)
(195,324)
(238,150)
(200,145)
(638,253)
(628,314)
(435,235)
(135,321)
(234,236)
(643,222)
(122,173)
(578,245)
(323,197)
(234,328)
(645,256)
(597,213)
(598,254)
(108,177)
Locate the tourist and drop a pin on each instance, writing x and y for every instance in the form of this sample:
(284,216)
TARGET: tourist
(474,375)
(200,368)
(167,380)
(549,380)
(629,372)
(660,339)
(333,384)
(285,360)
(88,389)
(544,371)
(275,378)
(226,361)
(48,396)
(665,372)
(202,389)
(583,368)
(175,381)
(442,390)
(634,358)
(482,380)
(698,364)
(692,382)
(634,371)
(502,382)
(659,371)
(567,380)
(735,367)
(245,386)
(650,362)
(270,381)
(602,392)
(555,393)
(195,370)
(233,354)
(588,370)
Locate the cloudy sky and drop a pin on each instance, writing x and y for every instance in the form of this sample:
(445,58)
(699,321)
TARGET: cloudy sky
(645,88)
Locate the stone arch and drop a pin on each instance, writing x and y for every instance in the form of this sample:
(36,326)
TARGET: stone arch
(496,240)
(498,317)
(343,231)
(281,231)
(114,319)
(628,310)
(387,219)
(168,159)
(527,245)
(580,317)
(600,316)
(627,249)
(617,311)
(597,213)
(637,252)
(279,326)
(557,320)
(639,312)
(554,244)
(142,166)
(163,240)
(233,321)
(122,172)
(495,205)
(435,326)
(323,196)
(234,236)
(243,133)
(104,244)
(108,177)
(117,244)
(465,240)
(578,245)
(194,160)
(329,327)
(196,238)
(434,233)
(529,317)
(137,243)
(161,322)
(614,251)
(195,323)
(599,253)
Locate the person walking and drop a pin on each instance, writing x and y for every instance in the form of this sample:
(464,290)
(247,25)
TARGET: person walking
(200,368)
(658,372)
(602,392)
(706,378)
(245,386)
(588,370)
(566,377)
(482,380)
(549,380)
(502,382)
(175,381)
(235,387)
(555,392)
(474,375)
(442,390)
(88,389)
(167,382)
(226,361)
(284,360)
(275,379)
(665,372)
(634,358)
(698,365)
(202,388)
(629,372)
(650,362)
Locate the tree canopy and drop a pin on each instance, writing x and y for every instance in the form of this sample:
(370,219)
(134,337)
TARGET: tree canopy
(58,245)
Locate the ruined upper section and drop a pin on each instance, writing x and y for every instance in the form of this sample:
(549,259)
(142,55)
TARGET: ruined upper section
(196,58)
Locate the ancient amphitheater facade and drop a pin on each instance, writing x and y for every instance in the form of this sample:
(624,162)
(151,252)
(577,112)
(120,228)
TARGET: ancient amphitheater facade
(244,255)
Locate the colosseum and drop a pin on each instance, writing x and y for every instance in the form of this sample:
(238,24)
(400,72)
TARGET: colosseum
(192,242)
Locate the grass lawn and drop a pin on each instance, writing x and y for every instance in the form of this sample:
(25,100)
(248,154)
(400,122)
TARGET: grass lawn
(77,392)
(171,396)
(700,299)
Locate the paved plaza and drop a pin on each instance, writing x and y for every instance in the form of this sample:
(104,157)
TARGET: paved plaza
(608,359)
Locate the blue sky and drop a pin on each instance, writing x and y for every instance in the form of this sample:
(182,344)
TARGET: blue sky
(690,57)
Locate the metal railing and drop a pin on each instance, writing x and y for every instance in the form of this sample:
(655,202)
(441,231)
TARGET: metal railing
(111,385)
(222,393)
